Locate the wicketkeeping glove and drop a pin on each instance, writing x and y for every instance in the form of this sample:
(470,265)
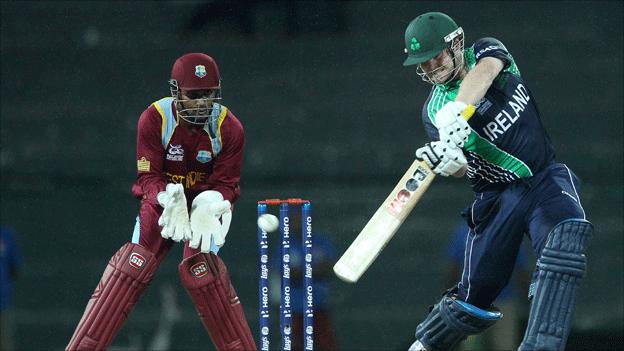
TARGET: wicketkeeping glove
(452,126)
(174,218)
(442,158)
(207,208)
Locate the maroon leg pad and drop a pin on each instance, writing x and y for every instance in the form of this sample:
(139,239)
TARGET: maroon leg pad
(207,281)
(125,278)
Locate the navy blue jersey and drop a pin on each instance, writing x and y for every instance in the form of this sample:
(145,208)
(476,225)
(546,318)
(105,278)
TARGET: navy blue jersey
(508,140)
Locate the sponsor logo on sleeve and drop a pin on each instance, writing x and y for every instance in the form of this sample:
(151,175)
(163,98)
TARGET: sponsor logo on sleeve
(484,50)
(143,165)
(136,260)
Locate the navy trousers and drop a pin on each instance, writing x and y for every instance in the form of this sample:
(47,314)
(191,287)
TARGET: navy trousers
(498,221)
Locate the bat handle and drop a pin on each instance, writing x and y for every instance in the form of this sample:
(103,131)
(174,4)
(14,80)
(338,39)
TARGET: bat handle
(468,112)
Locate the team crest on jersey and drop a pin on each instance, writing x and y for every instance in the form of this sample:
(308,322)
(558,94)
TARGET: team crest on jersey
(175,153)
(204,156)
(200,71)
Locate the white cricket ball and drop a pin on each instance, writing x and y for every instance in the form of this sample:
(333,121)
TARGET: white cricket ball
(268,222)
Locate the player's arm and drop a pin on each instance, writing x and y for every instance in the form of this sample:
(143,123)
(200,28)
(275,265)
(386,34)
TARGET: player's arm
(491,58)
(149,157)
(211,210)
(462,171)
(478,80)
(151,182)
(226,170)
(437,158)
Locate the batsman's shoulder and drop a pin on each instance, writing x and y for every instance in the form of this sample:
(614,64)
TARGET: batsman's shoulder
(492,47)
(485,42)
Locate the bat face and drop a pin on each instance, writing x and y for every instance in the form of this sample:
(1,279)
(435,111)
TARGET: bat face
(388,218)
(384,223)
(397,205)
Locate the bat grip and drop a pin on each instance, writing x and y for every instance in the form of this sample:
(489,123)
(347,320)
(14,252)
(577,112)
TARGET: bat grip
(468,112)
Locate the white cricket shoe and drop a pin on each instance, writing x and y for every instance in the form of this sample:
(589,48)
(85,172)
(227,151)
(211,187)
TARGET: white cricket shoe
(417,346)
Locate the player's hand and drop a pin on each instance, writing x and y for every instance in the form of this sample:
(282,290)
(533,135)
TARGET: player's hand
(452,126)
(442,158)
(174,218)
(207,208)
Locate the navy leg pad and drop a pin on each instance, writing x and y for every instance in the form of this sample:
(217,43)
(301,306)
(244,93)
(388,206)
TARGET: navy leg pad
(560,269)
(451,321)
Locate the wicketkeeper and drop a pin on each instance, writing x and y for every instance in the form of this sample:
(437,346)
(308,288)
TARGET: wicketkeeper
(519,187)
(189,155)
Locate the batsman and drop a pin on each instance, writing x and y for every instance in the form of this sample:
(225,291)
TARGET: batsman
(188,158)
(519,188)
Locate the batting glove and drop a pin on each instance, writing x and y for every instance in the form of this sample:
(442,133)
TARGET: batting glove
(210,220)
(174,218)
(442,158)
(452,126)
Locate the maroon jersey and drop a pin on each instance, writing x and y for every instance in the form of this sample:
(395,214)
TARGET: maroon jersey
(200,159)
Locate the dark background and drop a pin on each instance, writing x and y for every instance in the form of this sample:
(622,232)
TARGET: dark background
(330,115)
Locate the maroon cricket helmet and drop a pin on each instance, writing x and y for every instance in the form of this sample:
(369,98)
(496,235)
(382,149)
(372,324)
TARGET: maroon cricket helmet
(196,71)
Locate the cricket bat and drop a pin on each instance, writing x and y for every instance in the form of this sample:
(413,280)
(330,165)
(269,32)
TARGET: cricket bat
(384,223)
(388,218)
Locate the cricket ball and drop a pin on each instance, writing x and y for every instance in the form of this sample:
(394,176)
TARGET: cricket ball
(268,222)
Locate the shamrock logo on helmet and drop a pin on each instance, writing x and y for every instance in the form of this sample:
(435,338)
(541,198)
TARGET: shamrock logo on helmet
(414,44)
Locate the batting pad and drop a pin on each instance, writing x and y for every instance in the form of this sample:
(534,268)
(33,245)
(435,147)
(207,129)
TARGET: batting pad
(128,273)
(451,321)
(560,270)
(206,279)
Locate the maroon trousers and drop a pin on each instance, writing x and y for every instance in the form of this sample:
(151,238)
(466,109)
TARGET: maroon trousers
(130,271)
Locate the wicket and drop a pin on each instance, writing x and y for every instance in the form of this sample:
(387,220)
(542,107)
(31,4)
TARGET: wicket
(263,269)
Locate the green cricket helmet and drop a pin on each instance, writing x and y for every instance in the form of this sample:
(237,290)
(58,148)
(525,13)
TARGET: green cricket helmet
(427,35)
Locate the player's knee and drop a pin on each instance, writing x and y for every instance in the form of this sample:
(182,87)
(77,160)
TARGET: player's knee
(483,291)
(564,251)
(451,321)
(205,278)
(201,269)
(564,255)
(128,273)
(134,260)
(565,248)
